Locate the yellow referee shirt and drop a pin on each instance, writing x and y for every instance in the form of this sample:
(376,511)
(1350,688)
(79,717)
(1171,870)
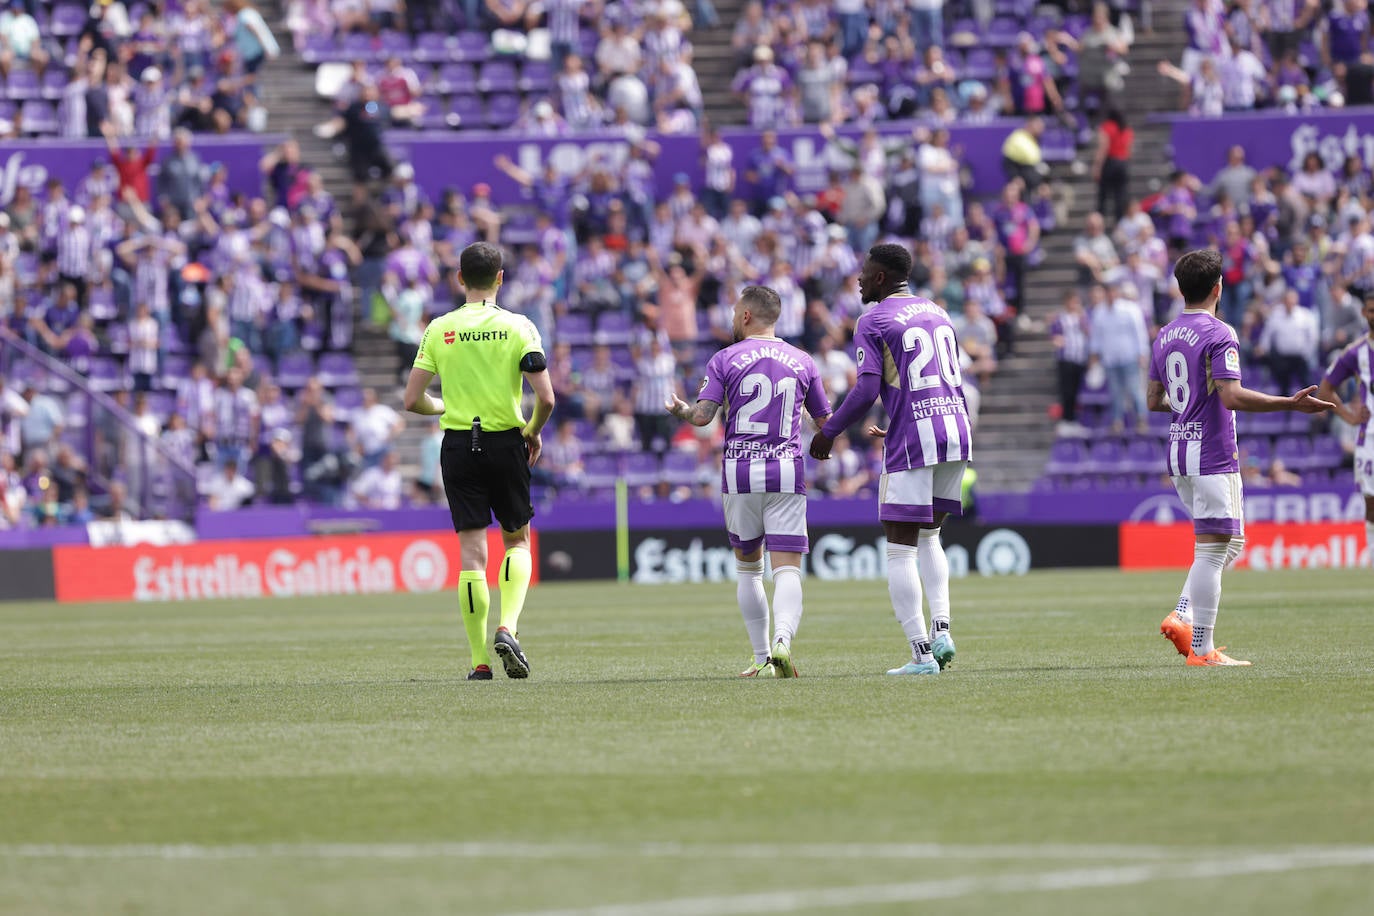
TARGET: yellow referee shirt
(476,351)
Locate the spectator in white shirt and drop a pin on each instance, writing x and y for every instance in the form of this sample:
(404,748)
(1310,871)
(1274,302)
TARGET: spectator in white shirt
(374,427)
(378,487)
(229,489)
(838,371)
(1289,343)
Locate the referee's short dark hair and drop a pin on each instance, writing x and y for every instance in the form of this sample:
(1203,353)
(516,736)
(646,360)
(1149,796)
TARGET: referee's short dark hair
(763,302)
(1198,273)
(894,258)
(479,263)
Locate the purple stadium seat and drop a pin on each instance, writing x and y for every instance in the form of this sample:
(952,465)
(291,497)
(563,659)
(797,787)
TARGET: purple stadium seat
(1039,25)
(106,374)
(1002,33)
(1298,423)
(295,370)
(613,328)
(642,469)
(1067,456)
(7,109)
(39,118)
(118,336)
(681,468)
(1058,145)
(55,79)
(67,20)
(435,115)
(1145,456)
(454,78)
(23,84)
(980,64)
(396,44)
(472,46)
(1295,452)
(497,76)
(175,368)
(336,370)
(1255,447)
(536,76)
(1107,456)
(502,110)
(172,341)
(601,470)
(358,47)
(1327,453)
(433,47)
(964,33)
(468,110)
(1076,25)
(102,304)
(320,49)
(1261,424)
(575,328)
(26,268)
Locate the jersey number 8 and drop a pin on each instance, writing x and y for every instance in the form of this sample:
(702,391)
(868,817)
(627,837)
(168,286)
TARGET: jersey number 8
(1176,373)
(942,349)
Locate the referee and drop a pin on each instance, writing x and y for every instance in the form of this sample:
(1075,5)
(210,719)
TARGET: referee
(480,353)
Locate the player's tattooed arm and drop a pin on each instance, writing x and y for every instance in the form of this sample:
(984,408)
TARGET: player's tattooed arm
(700,415)
(1155,398)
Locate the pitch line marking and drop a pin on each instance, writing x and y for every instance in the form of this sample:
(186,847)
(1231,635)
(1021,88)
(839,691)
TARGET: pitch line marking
(951,888)
(488,850)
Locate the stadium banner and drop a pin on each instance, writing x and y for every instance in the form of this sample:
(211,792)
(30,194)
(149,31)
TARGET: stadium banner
(1270,140)
(26,575)
(661,556)
(1329,545)
(30,163)
(1317,503)
(979,147)
(281,568)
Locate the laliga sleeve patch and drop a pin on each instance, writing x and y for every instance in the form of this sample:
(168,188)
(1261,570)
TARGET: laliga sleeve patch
(705,380)
(1233,360)
(859,356)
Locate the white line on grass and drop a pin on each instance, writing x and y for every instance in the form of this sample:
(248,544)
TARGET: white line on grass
(492,850)
(948,889)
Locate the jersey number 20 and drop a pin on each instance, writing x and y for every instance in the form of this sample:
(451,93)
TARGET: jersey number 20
(762,390)
(942,350)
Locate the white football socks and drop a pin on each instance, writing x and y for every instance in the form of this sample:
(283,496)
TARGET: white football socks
(753,604)
(904,586)
(787,603)
(1234,548)
(1204,586)
(934,567)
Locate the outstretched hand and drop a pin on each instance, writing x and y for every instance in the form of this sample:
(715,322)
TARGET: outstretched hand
(876,431)
(820,446)
(1304,401)
(677,407)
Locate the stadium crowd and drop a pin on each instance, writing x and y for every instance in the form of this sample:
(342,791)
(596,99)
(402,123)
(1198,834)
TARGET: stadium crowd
(1298,250)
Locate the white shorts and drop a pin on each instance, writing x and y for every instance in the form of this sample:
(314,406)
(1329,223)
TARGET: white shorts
(1364,471)
(1215,501)
(776,520)
(918,494)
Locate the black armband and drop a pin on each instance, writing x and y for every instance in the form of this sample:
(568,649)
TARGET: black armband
(533,362)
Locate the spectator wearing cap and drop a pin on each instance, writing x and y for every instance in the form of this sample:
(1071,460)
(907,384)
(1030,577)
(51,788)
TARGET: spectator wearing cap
(764,88)
(152,105)
(76,253)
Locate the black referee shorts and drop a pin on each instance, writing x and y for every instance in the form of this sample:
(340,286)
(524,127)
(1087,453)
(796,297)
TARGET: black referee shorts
(494,481)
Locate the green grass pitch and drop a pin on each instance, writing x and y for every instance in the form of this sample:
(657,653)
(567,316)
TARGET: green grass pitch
(326,756)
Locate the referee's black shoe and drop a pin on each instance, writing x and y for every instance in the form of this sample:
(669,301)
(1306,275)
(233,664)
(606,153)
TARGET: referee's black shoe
(480,673)
(517,666)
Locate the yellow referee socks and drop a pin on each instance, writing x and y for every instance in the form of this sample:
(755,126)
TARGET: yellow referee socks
(516,570)
(475,600)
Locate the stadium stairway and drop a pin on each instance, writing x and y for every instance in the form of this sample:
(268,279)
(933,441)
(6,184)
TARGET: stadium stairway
(1015,430)
(294,109)
(715,63)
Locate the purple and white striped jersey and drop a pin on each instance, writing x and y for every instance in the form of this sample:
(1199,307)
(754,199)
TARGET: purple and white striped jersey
(764,383)
(1190,355)
(910,344)
(1356,362)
